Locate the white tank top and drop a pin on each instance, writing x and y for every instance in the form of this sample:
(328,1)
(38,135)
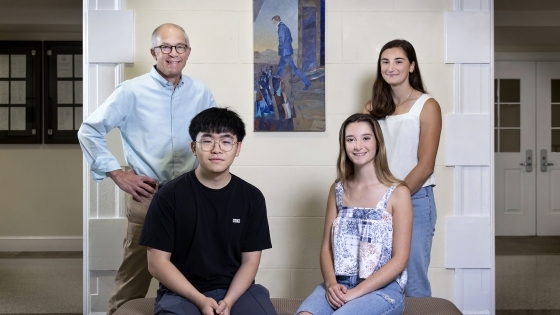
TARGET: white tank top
(402,134)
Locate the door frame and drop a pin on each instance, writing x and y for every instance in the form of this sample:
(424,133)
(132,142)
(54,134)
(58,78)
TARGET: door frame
(520,223)
(525,57)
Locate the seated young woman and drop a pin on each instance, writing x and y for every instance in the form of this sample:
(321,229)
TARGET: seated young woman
(368,228)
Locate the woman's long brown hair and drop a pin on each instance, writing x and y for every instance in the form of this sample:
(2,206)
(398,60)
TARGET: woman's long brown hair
(345,167)
(382,104)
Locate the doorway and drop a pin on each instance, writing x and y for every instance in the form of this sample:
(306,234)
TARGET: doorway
(527,148)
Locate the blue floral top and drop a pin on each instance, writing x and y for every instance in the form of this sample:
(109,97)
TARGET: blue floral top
(362,238)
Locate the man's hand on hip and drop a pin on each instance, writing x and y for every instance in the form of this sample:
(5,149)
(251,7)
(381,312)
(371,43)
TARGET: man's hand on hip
(137,186)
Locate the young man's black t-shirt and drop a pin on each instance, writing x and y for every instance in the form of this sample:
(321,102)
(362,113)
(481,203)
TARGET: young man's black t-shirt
(205,229)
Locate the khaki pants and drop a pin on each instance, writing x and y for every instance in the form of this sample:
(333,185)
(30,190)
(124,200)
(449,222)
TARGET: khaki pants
(133,278)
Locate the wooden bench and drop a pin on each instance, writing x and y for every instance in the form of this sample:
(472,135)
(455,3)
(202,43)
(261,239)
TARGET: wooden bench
(288,306)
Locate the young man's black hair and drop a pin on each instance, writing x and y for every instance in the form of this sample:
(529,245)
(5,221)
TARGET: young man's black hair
(217,120)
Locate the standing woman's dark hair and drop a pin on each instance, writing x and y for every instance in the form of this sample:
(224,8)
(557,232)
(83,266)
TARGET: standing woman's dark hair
(382,103)
(411,123)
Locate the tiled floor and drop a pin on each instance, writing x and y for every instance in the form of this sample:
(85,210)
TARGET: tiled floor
(528,275)
(527,312)
(527,245)
(41,283)
(41,254)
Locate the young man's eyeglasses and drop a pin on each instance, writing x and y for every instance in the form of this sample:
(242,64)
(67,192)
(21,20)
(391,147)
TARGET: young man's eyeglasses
(166,49)
(208,144)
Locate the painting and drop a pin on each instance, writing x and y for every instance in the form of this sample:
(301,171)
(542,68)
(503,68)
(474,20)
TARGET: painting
(289,65)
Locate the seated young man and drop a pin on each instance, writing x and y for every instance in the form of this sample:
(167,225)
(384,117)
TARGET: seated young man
(205,230)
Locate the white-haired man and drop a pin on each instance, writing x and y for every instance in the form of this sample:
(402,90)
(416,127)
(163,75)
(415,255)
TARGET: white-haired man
(153,112)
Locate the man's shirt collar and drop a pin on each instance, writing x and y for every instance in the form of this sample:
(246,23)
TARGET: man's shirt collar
(161,80)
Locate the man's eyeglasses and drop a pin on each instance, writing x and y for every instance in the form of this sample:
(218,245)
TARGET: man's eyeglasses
(208,144)
(166,49)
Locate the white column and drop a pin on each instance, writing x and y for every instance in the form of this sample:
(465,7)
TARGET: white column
(104,223)
(469,45)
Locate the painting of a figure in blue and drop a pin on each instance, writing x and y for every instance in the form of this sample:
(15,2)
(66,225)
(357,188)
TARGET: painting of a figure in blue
(289,65)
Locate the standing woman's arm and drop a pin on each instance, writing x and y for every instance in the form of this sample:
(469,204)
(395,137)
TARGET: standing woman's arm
(430,130)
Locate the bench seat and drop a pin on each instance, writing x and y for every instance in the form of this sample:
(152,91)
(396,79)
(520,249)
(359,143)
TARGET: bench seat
(288,306)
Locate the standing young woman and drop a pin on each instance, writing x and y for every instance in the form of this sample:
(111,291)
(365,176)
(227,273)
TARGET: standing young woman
(411,124)
(368,226)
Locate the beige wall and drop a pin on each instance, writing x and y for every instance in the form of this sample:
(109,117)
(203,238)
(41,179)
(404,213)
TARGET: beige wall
(41,185)
(294,170)
(41,193)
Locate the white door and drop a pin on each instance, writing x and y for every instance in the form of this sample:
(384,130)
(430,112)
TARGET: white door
(548,148)
(514,144)
(527,129)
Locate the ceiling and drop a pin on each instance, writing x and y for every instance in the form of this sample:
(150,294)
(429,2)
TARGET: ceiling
(527,25)
(40,16)
(519,25)
(526,5)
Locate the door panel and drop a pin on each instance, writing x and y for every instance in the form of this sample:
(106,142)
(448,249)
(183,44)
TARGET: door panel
(514,132)
(555,193)
(548,138)
(513,179)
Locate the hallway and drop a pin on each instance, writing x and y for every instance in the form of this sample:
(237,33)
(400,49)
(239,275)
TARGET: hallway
(41,283)
(527,275)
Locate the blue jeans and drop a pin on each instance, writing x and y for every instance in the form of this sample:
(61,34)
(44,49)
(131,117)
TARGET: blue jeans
(385,301)
(423,228)
(288,60)
(255,300)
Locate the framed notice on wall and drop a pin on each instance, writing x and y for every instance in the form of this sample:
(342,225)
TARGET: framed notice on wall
(20,91)
(63,91)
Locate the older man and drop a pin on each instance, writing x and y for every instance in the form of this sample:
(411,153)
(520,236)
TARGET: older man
(153,113)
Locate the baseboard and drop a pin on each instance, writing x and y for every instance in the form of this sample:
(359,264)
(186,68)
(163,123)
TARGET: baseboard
(41,243)
(527,312)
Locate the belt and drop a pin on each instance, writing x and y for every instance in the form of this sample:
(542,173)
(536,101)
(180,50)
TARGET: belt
(156,186)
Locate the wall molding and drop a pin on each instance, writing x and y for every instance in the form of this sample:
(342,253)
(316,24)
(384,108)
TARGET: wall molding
(527,56)
(99,82)
(527,18)
(474,185)
(41,244)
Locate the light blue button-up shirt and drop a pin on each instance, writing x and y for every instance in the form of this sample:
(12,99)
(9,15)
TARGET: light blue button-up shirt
(154,119)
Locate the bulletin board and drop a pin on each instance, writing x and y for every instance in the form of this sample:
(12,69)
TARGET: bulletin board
(20,92)
(63,82)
